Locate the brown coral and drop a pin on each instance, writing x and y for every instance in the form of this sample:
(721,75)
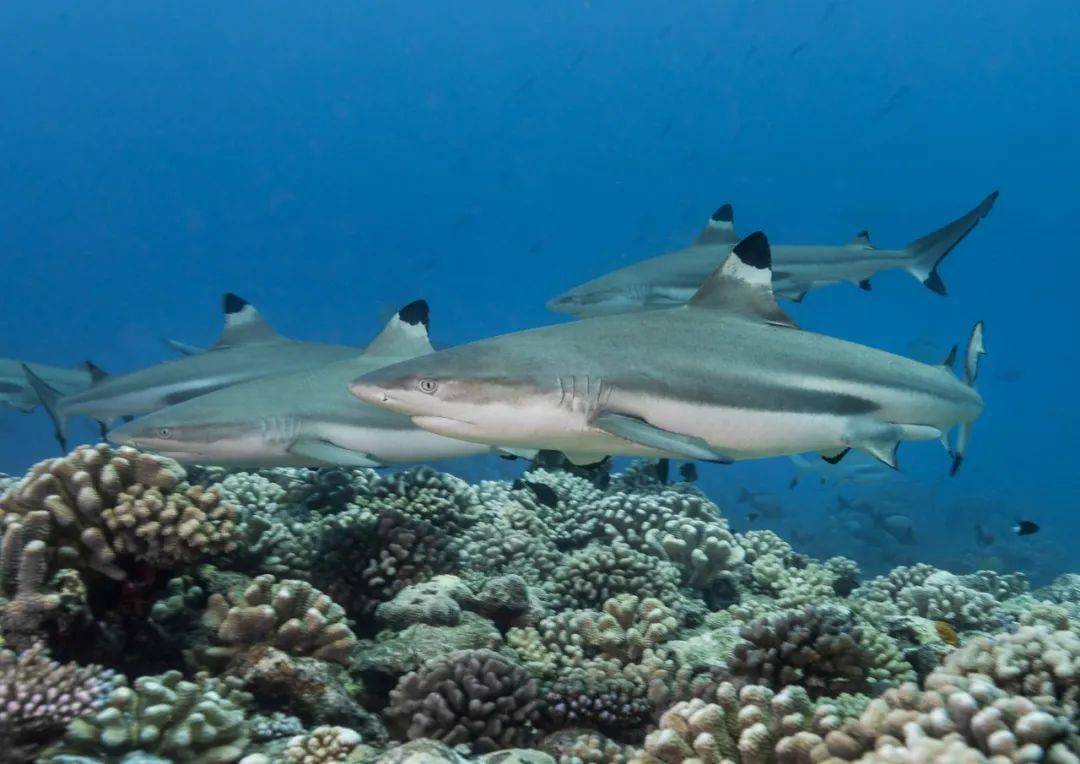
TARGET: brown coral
(291,616)
(98,503)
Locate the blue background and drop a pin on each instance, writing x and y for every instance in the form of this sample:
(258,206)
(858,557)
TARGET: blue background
(332,161)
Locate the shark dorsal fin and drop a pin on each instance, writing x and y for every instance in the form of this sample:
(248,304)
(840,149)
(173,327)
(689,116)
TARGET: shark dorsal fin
(742,285)
(243,324)
(862,239)
(720,229)
(405,334)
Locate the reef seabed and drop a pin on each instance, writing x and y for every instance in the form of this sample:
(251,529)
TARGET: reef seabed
(153,614)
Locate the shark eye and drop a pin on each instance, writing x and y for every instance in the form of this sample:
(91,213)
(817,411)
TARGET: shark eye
(428,385)
(164,432)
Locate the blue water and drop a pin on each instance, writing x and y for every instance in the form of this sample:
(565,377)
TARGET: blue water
(332,161)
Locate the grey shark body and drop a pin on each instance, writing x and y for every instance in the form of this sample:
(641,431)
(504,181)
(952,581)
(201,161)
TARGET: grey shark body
(302,419)
(671,279)
(17,393)
(726,377)
(248,349)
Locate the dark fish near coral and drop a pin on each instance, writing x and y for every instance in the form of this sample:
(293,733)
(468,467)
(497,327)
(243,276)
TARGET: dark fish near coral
(752,516)
(688,472)
(663,470)
(1025,528)
(545,494)
(982,537)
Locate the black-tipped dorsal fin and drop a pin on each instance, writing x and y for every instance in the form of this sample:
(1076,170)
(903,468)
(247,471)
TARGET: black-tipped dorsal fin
(405,335)
(720,229)
(243,324)
(742,285)
(862,239)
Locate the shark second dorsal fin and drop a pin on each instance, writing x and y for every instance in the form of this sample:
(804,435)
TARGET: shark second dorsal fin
(742,285)
(862,239)
(243,324)
(720,229)
(405,334)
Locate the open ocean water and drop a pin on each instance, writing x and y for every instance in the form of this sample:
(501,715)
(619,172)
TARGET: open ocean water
(332,162)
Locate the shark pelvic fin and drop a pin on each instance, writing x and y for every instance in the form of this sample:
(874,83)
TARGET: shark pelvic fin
(513,452)
(583,459)
(881,439)
(323,452)
(834,456)
(862,239)
(720,229)
(405,334)
(243,324)
(639,431)
(742,285)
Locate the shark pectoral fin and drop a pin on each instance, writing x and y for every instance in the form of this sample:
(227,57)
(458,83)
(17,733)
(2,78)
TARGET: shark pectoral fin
(834,456)
(881,439)
(742,285)
(639,431)
(720,229)
(324,452)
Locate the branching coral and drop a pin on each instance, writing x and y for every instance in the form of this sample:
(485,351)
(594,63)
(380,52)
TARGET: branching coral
(817,649)
(38,697)
(323,745)
(924,591)
(98,504)
(445,501)
(473,697)
(201,721)
(600,571)
(289,615)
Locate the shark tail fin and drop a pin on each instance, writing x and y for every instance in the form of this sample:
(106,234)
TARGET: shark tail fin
(50,399)
(975,350)
(927,253)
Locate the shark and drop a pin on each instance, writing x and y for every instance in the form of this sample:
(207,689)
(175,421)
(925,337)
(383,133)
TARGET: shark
(305,418)
(17,393)
(857,469)
(671,279)
(248,348)
(728,376)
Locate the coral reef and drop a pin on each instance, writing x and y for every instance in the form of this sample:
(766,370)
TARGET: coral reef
(475,697)
(570,615)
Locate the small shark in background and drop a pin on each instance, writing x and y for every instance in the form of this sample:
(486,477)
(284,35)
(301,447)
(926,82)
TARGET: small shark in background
(302,419)
(247,349)
(728,376)
(17,393)
(856,469)
(671,279)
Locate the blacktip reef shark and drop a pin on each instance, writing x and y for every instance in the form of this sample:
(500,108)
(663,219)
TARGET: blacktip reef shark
(856,469)
(671,279)
(17,393)
(303,419)
(726,377)
(247,349)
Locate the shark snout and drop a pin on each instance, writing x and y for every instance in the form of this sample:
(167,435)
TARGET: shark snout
(371,393)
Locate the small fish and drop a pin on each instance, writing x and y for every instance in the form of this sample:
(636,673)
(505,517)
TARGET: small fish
(688,471)
(663,469)
(982,537)
(947,633)
(544,493)
(1025,528)
(752,516)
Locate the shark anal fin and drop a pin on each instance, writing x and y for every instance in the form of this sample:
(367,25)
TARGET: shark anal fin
(639,431)
(834,457)
(323,452)
(584,459)
(742,285)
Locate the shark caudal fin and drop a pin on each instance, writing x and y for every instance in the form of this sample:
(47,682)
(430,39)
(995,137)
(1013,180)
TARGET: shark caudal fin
(50,399)
(975,351)
(927,253)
